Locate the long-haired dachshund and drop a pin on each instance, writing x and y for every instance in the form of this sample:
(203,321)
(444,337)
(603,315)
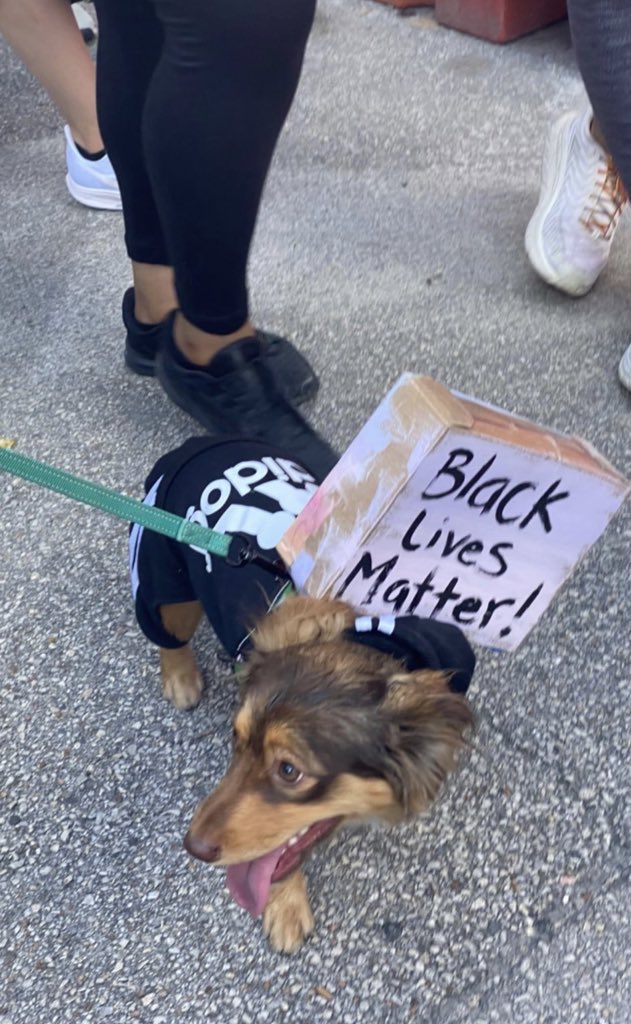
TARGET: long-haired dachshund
(342,718)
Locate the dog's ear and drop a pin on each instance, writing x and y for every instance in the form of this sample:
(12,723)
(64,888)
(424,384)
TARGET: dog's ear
(425,728)
(302,620)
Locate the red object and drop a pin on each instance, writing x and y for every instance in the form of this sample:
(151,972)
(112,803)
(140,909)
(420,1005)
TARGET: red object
(408,3)
(498,20)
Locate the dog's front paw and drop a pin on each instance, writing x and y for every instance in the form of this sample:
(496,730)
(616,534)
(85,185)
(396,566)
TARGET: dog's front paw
(182,683)
(287,918)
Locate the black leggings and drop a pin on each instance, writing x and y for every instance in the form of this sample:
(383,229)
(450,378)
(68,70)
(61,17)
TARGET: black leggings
(601,31)
(192,96)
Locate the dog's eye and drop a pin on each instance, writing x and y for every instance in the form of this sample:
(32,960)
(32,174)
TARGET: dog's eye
(288,772)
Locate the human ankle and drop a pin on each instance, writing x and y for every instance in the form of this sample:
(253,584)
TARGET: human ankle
(151,310)
(198,346)
(89,140)
(154,292)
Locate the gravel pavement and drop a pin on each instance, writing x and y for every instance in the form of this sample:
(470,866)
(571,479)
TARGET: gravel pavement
(391,239)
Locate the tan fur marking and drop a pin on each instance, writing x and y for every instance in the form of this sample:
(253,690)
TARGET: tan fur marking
(181,620)
(243,723)
(182,683)
(302,620)
(279,735)
(245,826)
(287,918)
(281,742)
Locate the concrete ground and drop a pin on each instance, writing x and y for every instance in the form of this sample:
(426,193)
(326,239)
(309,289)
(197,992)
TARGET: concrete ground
(391,239)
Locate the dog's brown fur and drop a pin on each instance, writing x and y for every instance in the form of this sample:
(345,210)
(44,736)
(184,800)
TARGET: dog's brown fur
(370,739)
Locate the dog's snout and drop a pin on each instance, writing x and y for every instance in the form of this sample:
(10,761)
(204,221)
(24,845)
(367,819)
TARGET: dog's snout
(201,848)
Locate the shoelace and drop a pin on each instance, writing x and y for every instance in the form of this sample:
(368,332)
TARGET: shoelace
(607,202)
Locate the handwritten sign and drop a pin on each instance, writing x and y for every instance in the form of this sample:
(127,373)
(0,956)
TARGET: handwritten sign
(444,507)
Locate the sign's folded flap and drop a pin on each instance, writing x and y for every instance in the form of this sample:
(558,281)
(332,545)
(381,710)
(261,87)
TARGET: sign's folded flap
(500,425)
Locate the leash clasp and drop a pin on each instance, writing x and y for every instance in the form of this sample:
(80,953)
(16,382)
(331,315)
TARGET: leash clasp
(243,551)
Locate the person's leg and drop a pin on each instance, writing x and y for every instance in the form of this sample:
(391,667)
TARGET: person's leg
(215,108)
(45,35)
(217,98)
(131,42)
(130,46)
(225,77)
(601,32)
(587,158)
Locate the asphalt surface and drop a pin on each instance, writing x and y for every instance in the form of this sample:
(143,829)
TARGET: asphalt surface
(391,239)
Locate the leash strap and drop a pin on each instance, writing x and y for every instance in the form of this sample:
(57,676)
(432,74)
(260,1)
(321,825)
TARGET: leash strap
(238,550)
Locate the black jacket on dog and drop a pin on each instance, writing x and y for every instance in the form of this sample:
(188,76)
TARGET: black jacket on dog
(252,488)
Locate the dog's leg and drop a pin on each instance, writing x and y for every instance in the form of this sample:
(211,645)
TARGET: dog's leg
(287,918)
(181,679)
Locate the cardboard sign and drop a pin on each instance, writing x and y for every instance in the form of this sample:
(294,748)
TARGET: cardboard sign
(445,507)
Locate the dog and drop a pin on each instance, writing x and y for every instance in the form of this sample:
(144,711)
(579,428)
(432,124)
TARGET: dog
(342,718)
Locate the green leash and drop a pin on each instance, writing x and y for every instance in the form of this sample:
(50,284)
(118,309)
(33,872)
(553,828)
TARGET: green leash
(237,549)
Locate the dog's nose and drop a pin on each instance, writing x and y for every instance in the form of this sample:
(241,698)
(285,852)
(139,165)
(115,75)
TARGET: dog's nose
(201,848)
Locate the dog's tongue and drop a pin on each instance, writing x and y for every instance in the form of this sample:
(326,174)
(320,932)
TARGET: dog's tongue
(249,883)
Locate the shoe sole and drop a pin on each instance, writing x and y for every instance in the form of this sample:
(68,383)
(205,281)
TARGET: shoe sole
(97,198)
(144,366)
(552,175)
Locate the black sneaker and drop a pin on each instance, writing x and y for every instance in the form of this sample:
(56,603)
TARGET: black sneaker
(141,343)
(293,374)
(236,394)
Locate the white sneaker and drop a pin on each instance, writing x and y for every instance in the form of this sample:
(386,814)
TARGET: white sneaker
(84,20)
(624,369)
(91,182)
(582,197)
